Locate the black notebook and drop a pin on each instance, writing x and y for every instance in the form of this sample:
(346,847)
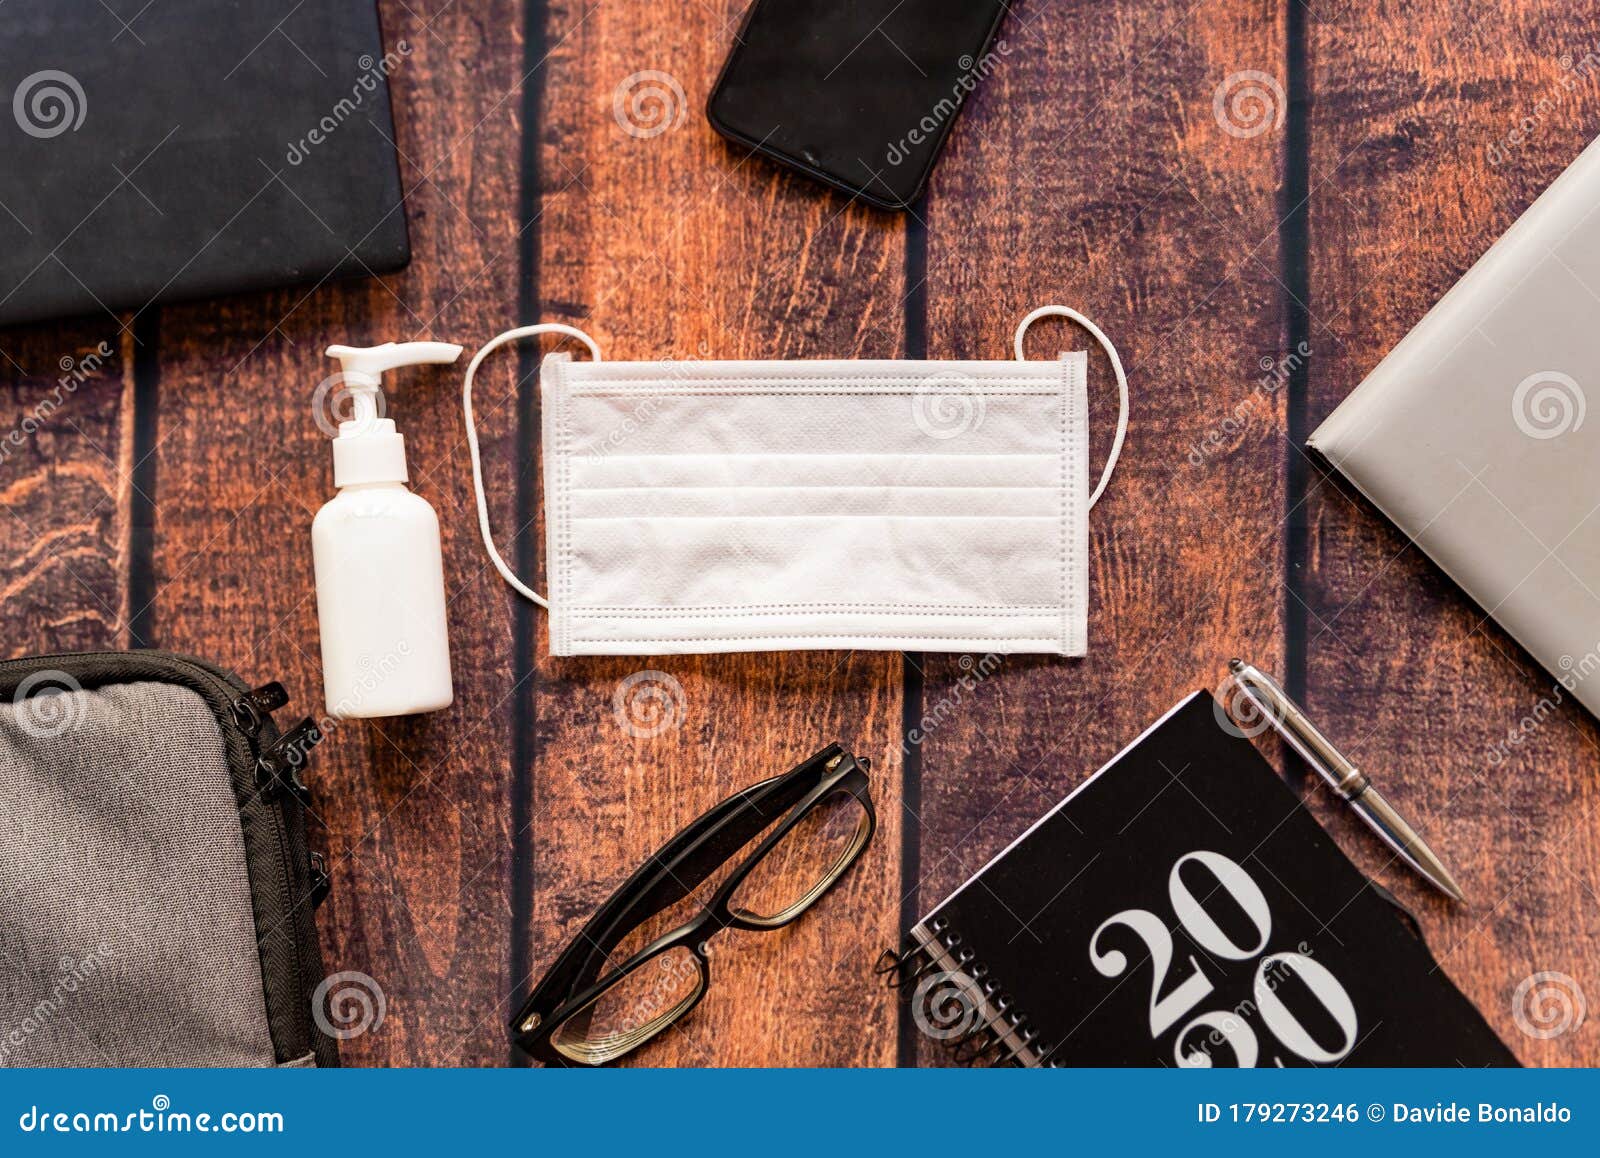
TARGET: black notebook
(163,151)
(1182,908)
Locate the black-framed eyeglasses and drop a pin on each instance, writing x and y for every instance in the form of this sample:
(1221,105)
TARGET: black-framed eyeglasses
(641,963)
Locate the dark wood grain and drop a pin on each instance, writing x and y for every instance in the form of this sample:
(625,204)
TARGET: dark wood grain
(66,467)
(1111,185)
(1093,167)
(673,245)
(416,811)
(1414,175)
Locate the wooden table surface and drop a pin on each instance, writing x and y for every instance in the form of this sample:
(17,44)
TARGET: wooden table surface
(1254,258)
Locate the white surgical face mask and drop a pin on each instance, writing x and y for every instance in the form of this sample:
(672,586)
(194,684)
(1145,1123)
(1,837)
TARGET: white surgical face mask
(762,506)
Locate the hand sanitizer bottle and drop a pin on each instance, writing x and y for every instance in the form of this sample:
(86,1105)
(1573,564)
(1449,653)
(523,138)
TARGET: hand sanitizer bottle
(380,571)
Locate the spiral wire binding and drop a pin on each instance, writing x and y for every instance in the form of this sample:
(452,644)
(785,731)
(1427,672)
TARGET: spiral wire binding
(1001,1036)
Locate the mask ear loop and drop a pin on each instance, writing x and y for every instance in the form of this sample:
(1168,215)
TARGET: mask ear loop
(472,437)
(1116,365)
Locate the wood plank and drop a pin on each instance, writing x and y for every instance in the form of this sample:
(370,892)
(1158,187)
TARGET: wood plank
(1415,173)
(1113,184)
(672,245)
(66,467)
(1137,206)
(416,810)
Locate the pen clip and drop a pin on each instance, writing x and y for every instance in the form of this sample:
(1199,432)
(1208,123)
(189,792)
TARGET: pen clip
(1304,737)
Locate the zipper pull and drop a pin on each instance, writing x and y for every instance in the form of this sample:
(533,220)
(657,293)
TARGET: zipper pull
(321,879)
(251,709)
(278,769)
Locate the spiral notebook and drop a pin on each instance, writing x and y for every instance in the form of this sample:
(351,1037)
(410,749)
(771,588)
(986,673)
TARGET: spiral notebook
(1182,908)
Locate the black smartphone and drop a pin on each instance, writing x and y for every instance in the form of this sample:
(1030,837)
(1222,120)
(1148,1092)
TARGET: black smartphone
(859,94)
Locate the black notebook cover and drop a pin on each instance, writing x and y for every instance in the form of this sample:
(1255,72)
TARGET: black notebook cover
(1183,908)
(192,147)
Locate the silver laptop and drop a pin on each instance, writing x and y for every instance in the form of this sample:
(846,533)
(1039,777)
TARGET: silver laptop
(1474,436)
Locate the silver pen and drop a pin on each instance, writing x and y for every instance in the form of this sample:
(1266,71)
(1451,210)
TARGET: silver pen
(1345,778)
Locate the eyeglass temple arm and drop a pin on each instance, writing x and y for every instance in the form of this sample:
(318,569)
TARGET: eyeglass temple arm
(679,878)
(678,867)
(718,848)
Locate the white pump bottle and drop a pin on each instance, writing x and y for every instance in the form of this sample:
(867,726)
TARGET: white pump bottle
(380,570)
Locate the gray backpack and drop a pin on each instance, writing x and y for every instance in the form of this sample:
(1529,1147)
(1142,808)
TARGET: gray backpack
(156,891)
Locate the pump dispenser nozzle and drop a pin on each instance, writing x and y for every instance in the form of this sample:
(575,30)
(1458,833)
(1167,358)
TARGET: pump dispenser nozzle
(365,365)
(368,448)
